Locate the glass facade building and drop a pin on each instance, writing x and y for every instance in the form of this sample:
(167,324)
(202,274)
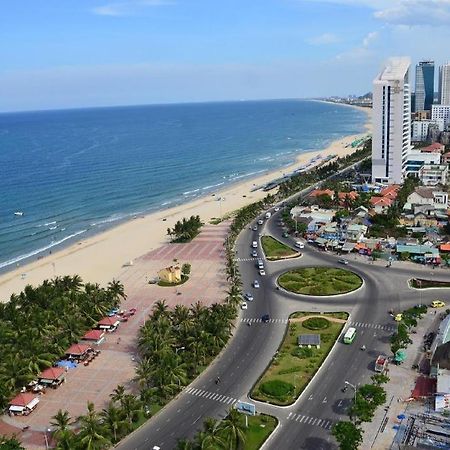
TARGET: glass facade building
(424,86)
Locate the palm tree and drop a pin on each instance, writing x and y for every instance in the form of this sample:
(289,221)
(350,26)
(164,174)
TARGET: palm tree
(92,435)
(234,429)
(61,421)
(117,290)
(118,393)
(211,437)
(114,420)
(131,408)
(184,444)
(160,309)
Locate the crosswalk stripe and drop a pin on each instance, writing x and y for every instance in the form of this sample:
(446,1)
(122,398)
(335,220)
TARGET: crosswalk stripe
(230,400)
(290,414)
(189,390)
(319,423)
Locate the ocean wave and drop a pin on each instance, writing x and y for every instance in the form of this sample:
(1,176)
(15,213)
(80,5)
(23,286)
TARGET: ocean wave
(39,250)
(212,186)
(115,218)
(191,192)
(249,174)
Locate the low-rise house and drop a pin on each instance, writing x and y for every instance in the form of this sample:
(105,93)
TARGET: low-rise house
(23,404)
(427,196)
(381,204)
(432,175)
(94,336)
(435,147)
(78,351)
(355,232)
(313,213)
(390,191)
(319,192)
(309,340)
(52,377)
(171,274)
(109,323)
(420,253)
(446,158)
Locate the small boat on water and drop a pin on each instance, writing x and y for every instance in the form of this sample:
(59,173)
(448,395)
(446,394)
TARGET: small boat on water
(18,213)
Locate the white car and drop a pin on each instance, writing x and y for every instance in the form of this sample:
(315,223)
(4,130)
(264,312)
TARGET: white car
(277,209)
(299,244)
(343,261)
(248,297)
(262,272)
(260,222)
(256,284)
(244,305)
(255,244)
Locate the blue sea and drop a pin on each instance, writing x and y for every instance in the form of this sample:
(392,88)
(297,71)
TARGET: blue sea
(75,172)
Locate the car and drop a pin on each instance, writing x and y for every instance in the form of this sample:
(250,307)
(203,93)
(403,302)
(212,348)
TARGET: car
(343,261)
(437,304)
(277,208)
(254,254)
(262,272)
(255,244)
(285,234)
(256,284)
(255,228)
(299,244)
(260,222)
(132,311)
(244,305)
(248,297)
(398,317)
(265,318)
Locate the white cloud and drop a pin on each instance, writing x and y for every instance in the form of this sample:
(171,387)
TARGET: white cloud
(369,38)
(127,8)
(416,12)
(324,39)
(362,51)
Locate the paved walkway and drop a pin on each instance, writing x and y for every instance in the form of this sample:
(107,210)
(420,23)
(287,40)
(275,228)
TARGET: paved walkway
(116,362)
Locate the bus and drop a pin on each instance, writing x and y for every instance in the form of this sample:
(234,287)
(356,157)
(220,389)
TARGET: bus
(349,335)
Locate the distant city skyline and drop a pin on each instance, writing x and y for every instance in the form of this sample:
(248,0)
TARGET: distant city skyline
(59,54)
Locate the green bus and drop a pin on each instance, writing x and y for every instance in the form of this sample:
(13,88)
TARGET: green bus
(349,335)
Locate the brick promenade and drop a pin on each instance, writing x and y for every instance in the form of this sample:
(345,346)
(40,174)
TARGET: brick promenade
(115,364)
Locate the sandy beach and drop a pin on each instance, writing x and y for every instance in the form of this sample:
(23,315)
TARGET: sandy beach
(102,257)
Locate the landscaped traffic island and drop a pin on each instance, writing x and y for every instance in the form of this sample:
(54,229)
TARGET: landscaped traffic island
(274,249)
(308,341)
(320,281)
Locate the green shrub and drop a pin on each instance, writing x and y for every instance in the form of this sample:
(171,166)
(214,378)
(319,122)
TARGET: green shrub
(277,388)
(316,323)
(303,352)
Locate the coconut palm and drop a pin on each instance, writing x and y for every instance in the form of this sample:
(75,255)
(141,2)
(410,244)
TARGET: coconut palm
(60,421)
(113,419)
(233,429)
(131,407)
(118,393)
(184,444)
(92,435)
(117,290)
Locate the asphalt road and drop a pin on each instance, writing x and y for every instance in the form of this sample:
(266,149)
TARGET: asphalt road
(307,423)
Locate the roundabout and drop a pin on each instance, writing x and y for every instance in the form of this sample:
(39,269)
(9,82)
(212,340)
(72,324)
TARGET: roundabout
(319,281)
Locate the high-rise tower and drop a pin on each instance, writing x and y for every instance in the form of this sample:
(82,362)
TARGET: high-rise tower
(444,84)
(391,141)
(424,86)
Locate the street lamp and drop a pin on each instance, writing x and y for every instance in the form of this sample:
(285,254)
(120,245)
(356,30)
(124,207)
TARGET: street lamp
(352,386)
(48,430)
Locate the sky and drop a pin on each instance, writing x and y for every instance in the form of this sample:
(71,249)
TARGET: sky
(79,53)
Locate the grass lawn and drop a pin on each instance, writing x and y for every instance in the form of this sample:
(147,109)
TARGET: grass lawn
(259,429)
(295,366)
(320,281)
(274,249)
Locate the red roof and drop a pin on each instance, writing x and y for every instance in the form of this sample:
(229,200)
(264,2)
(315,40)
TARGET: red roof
(435,147)
(318,192)
(93,335)
(445,247)
(77,349)
(353,195)
(22,399)
(390,191)
(108,321)
(52,373)
(382,201)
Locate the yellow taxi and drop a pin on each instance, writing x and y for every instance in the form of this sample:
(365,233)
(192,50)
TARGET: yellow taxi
(437,304)
(398,317)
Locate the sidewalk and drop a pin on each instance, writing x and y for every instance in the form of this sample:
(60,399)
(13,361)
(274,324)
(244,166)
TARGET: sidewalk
(380,433)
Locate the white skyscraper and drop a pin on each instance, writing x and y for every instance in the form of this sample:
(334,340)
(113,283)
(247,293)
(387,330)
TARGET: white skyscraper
(444,84)
(391,141)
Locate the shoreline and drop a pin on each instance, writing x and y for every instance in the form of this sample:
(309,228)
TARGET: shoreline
(101,257)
